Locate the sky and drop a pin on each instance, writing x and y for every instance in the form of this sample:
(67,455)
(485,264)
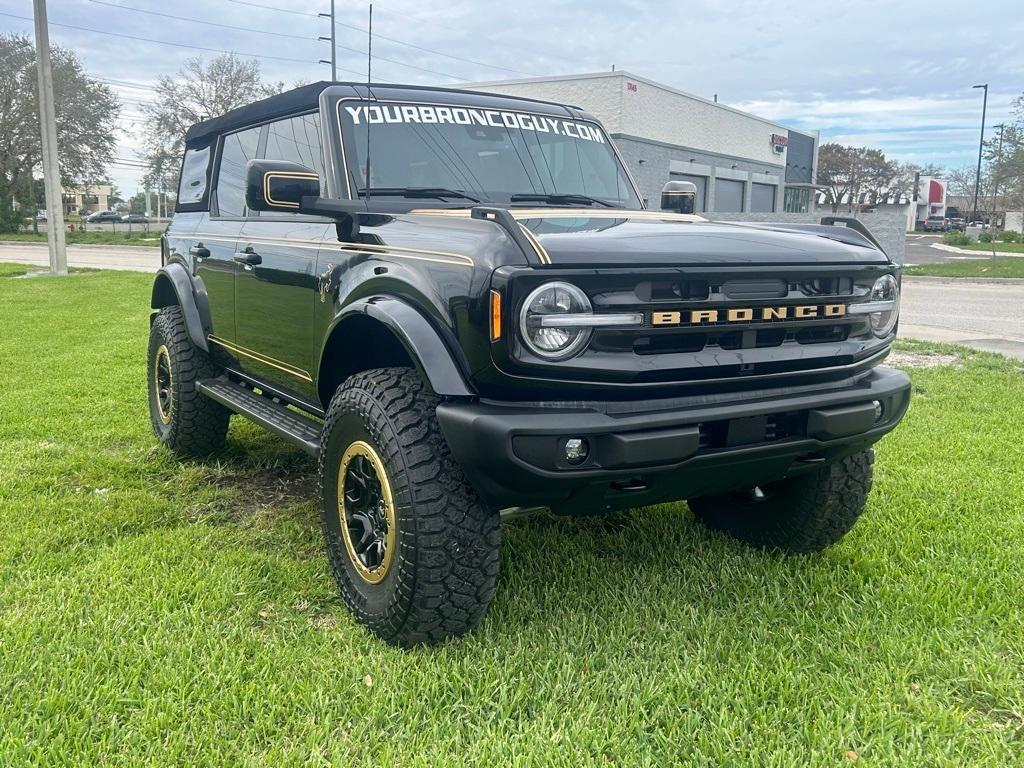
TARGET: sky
(895,76)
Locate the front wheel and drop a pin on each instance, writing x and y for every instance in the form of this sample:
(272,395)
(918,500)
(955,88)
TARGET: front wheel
(806,513)
(414,551)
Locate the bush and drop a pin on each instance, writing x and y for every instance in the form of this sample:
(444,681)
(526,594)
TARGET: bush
(1009,236)
(956,238)
(985,237)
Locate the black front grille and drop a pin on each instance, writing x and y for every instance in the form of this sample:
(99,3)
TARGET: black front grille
(697,341)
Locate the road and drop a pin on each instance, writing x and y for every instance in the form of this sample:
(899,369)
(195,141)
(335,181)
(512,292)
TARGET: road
(134,258)
(986,315)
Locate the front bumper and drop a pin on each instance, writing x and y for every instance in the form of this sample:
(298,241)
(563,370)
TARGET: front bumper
(644,453)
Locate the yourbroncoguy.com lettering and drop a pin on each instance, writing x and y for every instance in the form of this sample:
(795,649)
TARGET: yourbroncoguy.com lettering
(492,118)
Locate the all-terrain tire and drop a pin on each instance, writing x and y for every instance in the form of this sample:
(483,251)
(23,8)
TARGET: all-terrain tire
(442,573)
(806,513)
(185,420)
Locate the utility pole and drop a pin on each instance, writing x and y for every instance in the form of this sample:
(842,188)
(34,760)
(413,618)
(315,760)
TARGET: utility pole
(981,144)
(334,54)
(51,164)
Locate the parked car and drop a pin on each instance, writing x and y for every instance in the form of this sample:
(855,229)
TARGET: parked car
(464,335)
(958,224)
(134,218)
(936,224)
(981,224)
(41,215)
(101,216)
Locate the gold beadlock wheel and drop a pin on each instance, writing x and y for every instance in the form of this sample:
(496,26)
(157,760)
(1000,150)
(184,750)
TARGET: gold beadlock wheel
(366,511)
(162,382)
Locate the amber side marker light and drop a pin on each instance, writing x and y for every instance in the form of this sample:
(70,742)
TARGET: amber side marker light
(495,315)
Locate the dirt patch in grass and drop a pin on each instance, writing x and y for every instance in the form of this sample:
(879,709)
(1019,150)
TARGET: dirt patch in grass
(900,359)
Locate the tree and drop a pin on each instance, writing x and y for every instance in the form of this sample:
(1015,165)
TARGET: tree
(200,91)
(86,111)
(854,175)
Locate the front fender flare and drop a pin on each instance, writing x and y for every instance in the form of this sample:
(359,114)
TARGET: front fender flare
(175,277)
(431,355)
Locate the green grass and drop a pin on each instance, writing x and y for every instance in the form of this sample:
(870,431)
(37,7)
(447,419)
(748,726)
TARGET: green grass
(1012,267)
(154,612)
(138,237)
(8,269)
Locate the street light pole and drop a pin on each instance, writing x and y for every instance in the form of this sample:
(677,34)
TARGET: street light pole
(981,143)
(51,163)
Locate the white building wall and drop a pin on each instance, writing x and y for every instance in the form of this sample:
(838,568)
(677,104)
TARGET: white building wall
(653,111)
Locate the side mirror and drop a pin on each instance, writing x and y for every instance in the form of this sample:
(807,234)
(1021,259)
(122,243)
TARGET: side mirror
(679,196)
(277,185)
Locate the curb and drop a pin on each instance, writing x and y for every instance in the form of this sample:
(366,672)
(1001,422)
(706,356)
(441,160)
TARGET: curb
(962,280)
(966,252)
(84,246)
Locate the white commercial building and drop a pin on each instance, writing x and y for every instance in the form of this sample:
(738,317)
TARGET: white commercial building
(739,162)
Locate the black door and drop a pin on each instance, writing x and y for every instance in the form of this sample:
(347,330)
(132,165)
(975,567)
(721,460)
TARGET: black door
(275,288)
(276,282)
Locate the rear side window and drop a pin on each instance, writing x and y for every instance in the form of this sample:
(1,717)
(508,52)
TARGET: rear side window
(192,187)
(237,150)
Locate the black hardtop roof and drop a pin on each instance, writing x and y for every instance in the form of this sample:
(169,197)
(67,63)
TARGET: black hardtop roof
(306,98)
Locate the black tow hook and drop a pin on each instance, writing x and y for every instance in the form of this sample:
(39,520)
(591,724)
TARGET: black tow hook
(632,485)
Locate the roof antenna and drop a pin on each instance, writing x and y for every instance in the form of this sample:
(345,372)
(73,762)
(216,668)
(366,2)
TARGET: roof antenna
(369,93)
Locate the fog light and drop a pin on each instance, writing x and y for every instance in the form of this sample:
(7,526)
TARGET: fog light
(879,410)
(576,450)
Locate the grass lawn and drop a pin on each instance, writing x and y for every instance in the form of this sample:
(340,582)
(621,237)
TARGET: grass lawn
(1012,267)
(138,237)
(162,613)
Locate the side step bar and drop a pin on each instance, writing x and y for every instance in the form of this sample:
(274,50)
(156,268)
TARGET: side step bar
(291,425)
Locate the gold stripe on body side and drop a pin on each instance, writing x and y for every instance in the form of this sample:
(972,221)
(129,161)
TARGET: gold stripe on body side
(272,362)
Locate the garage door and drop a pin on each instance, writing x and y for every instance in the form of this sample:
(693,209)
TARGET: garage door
(728,195)
(762,197)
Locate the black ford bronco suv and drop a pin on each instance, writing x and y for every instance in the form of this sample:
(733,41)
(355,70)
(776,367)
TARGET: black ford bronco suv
(459,304)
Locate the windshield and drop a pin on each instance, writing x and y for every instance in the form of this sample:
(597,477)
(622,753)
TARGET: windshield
(491,155)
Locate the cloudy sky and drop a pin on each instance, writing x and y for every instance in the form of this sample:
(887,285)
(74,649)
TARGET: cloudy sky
(896,76)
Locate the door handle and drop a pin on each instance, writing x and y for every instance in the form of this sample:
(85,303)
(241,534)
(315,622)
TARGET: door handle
(248,257)
(200,251)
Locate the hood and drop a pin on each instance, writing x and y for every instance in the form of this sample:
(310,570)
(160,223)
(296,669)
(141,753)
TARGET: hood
(592,238)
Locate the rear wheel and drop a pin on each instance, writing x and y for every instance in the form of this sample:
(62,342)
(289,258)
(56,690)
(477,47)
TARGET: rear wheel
(186,421)
(806,513)
(414,551)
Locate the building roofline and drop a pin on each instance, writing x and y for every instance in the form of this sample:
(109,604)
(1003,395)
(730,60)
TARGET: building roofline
(622,73)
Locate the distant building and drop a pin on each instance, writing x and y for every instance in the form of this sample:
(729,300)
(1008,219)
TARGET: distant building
(739,162)
(87,199)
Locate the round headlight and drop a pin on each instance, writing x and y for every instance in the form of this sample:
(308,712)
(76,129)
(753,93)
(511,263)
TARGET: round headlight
(886,289)
(549,340)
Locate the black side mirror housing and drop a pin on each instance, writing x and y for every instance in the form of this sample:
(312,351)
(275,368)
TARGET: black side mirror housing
(679,196)
(277,185)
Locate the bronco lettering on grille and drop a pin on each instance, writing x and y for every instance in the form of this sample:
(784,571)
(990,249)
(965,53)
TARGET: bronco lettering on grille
(747,314)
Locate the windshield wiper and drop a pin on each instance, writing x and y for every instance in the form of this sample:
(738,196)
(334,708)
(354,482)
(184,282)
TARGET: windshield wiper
(438,192)
(554,199)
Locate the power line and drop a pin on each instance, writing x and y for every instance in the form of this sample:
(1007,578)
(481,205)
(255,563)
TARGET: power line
(390,39)
(162,42)
(273,8)
(427,50)
(199,21)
